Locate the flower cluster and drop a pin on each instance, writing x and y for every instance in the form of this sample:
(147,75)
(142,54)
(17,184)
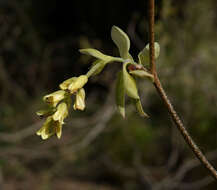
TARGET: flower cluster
(59,102)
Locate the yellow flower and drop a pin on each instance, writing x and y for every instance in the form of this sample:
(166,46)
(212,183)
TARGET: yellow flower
(46,112)
(55,97)
(65,84)
(78,83)
(61,113)
(73,84)
(80,100)
(49,128)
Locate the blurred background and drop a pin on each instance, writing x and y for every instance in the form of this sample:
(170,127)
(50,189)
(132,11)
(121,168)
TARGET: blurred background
(39,42)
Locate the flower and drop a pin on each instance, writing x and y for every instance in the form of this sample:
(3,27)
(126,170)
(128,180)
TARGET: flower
(46,112)
(61,113)
(74,84)
(55,97)
(80,100)
(49,128)
(65,84)
(53,123)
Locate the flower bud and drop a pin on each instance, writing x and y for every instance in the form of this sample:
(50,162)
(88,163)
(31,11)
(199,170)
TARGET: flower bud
(80,100)
(55,97)
(78,83)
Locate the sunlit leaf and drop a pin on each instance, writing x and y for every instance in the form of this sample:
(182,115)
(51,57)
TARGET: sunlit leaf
(95,53)
(120,94)
(139,108)
(122,41)
(142,74)
(98,66)
(129,83)
(144,54)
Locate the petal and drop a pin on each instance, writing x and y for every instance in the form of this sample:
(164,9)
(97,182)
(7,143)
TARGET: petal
(79,83)
(58,130)
(55,97)
(65,84)
(80,100)
(61,113)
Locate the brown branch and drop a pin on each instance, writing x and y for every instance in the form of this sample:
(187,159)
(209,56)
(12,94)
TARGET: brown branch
(167,102)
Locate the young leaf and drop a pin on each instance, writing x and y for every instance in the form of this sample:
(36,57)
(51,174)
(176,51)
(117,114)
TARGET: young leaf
(122,41)
(96,68)
(120,94)
(95,53)
(142,74)
(144,54)
(129,83)
(139,108)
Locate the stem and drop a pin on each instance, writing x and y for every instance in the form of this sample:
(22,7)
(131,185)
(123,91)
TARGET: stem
(167,102)
(101,65)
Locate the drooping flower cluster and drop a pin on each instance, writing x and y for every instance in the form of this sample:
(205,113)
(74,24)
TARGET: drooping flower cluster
(59,102)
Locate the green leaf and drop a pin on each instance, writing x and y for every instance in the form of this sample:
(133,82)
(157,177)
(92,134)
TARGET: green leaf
(122,41)
(140,109)
(142,74)
(144,54)
(120,94)
(96,68)
(99,66)
(129,83)
(95,53)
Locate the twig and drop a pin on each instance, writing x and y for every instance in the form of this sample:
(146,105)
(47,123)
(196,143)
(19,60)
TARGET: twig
(167,102)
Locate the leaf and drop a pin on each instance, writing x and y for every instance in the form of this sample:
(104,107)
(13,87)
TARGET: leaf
(140,109)
(99,66)
(120,94)
(96,67)
(129,83)
(122,41)
(144,54)
(95,53)
(142,74)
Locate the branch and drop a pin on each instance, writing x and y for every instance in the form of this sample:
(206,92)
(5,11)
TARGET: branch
(167,102)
